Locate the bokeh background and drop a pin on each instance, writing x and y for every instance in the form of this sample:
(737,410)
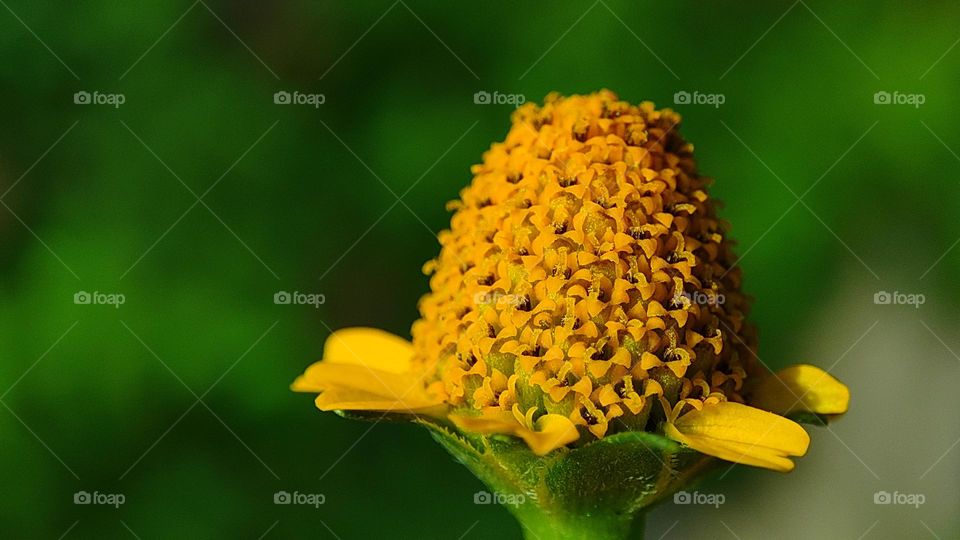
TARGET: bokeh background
(199,198)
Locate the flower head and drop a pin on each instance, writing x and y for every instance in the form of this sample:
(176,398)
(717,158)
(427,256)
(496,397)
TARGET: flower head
(586,275)
(585,288)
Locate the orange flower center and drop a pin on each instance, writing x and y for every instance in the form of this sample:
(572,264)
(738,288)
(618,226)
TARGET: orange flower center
(585,273)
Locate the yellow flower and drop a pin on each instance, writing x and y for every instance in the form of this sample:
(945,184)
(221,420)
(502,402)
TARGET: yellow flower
(585,288)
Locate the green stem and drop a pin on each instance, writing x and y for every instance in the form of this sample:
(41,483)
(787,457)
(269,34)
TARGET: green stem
(540,525)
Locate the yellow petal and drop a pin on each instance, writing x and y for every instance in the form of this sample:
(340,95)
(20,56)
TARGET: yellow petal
(365,369)
(802,388)
(552,430)
(369,347)
(741,434)
(357,388)
(325,375)
(345,399)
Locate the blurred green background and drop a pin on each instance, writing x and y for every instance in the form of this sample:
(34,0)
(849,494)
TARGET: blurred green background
(178,399)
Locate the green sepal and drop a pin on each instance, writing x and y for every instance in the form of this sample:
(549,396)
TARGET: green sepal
(599,490)
(377,416)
